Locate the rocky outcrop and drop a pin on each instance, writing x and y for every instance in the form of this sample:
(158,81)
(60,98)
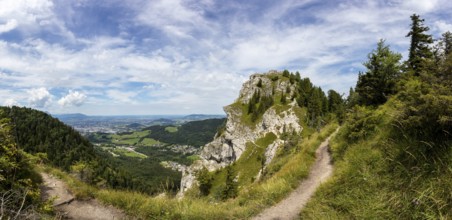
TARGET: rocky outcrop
(229,145)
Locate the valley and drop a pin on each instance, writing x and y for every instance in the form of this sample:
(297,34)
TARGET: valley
(167,147)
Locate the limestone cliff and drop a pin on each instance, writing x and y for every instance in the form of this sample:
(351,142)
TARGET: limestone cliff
(228,145)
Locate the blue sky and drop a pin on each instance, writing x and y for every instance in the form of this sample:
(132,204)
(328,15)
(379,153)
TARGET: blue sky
(116,57)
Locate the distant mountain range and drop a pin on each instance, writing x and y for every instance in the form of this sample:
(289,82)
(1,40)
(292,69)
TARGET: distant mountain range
(190,117)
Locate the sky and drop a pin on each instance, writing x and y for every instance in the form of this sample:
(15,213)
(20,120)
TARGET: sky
(144,57)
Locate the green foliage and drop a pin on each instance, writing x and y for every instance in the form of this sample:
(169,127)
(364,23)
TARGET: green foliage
(317,105)
(383,174)
(336,105)
(419,47)
(205,181)
(363,123)
(39,133)
(286,73)
(171,129)
(283,99)
(249,201)
(395,161)
(19,182)
(304,90)
(352,99)
(426,112)
(230,188)
(195,133)
(379,81)
(258,105)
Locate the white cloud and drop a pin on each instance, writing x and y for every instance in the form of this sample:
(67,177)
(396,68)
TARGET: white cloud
(122,97)
(73,98)
(11,102)
(39,97)
(26,12)
(443,26)
(8,26)
(194,58)
(420,6)
(178,18)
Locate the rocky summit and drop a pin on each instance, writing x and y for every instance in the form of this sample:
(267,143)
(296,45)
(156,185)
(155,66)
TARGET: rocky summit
(282,115)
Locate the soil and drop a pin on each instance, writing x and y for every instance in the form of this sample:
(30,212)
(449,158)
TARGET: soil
(68,207)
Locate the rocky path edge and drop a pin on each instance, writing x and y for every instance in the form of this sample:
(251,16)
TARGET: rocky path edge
(68,207)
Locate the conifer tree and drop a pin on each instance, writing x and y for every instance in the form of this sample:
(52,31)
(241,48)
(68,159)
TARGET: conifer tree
(420,52)
(378,82)
(205,181)
(230,189)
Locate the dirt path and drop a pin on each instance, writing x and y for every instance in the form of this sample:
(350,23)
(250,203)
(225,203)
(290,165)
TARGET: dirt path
(68,207)
(290,207)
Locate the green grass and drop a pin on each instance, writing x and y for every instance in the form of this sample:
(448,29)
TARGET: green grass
(129,139)
(149,142)
(171,129)
(133,141)
(128,153)
(379,174)
(193,158)
(252,198)
(136,138)
(250,163)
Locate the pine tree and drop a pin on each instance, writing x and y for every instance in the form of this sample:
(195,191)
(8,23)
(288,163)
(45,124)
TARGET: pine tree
(419,47)
(304,90)
(378,82)
(230,189)
(205,181)
(446,43)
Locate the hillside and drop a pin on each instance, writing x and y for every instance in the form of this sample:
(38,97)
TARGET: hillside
(274,121)
(19,181)
(393,155)
(61,146)
(271,115)
(195,133)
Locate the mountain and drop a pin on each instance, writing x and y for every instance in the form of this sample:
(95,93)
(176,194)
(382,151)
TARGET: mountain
(197,117)
(74,116)
(268,110)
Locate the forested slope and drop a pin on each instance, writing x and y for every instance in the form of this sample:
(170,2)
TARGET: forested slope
(196,133)
(61,146)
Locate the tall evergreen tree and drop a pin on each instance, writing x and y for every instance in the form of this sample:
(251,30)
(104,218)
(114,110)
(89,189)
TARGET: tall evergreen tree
(446,42)
(335,101)
(419,47)
(378,82)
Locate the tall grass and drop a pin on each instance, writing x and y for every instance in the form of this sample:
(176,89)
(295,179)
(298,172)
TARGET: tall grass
(252,198)
(384,175)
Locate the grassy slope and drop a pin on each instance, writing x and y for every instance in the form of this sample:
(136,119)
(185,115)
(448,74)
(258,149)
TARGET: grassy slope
(250,201)
(378,176)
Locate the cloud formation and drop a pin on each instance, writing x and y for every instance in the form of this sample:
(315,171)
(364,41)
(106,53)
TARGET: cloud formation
(39,97)
(73,98)
(180,57)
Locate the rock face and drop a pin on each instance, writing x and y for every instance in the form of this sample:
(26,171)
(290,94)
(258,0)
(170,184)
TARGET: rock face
(228,146)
